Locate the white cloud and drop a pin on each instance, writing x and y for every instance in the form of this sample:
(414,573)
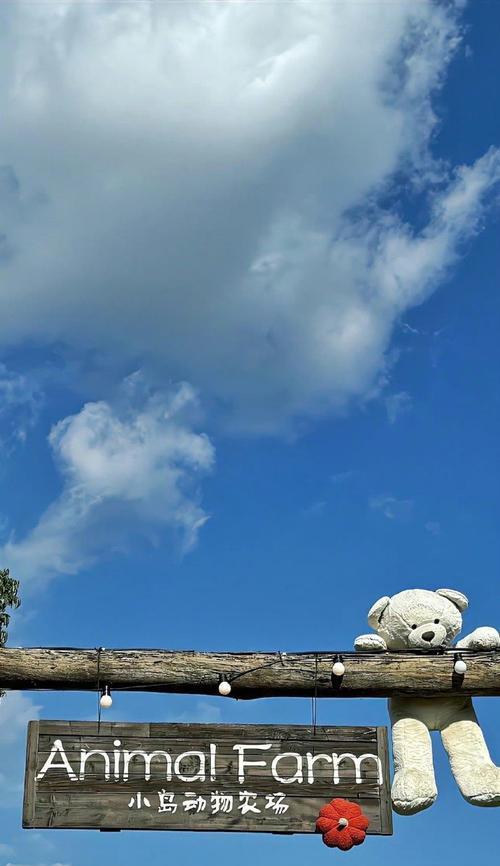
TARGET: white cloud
(203,712)
(341,477)
(16,710)
(200,186)
(316,508)
(391,507)
(20,401)
(397,405)
(126,467)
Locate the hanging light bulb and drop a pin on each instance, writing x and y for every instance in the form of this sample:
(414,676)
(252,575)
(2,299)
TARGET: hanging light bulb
(106,700)
(224,688)
(338,669)
(459,667)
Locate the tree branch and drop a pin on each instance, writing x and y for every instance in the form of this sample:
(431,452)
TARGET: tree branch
(252,675)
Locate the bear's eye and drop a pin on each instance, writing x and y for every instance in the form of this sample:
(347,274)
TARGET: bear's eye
(436,622)
(414,626)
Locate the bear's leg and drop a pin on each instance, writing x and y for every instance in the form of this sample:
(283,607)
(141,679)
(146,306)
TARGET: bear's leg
(414,785)
(476,775)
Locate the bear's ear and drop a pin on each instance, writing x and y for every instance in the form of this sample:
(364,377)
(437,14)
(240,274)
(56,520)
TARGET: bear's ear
(457,598)
(376,611)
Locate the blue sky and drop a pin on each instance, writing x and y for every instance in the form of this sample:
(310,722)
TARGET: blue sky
(248,356)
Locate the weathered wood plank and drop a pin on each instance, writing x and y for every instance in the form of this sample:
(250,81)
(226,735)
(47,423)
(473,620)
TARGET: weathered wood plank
(384,791)
(86,813)
(30,772)
(346,787)
(252,675)
(178,730)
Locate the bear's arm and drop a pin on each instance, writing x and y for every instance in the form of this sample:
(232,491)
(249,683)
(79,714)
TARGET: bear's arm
(370,643)
(484,638)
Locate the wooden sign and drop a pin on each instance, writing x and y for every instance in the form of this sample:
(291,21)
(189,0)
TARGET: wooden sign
(201,777)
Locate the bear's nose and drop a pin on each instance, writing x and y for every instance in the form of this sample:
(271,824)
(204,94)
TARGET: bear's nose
(428,635)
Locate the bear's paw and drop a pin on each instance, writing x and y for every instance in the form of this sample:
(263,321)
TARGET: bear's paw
(412,791)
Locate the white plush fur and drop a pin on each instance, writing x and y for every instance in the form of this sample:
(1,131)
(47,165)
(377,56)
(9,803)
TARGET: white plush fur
(420,619)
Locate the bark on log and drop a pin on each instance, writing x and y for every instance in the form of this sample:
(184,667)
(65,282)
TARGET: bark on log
(252,675)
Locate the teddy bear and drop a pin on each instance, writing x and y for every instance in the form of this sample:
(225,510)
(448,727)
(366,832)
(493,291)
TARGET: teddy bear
(418,619)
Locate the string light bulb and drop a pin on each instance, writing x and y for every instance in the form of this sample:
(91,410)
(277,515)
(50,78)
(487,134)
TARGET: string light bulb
(459,667)
(106,701)
(224,688)
(338,669)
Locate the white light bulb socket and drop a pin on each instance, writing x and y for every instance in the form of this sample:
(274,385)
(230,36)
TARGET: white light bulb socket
(224,688)
(106,700)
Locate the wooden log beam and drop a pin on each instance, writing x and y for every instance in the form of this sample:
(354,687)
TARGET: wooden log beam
(252,675)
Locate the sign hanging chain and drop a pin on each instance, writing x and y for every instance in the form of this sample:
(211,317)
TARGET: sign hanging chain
(99,649)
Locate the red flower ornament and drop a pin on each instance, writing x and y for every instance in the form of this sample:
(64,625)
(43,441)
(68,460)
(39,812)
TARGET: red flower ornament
(342,824)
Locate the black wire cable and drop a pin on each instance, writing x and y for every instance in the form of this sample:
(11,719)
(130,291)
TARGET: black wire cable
(99,650)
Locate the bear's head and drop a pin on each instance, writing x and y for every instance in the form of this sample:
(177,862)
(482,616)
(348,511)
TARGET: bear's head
(418,618)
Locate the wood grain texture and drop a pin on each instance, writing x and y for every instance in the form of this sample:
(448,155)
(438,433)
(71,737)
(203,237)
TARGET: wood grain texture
(53,799)
(252,675)
(30,772)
